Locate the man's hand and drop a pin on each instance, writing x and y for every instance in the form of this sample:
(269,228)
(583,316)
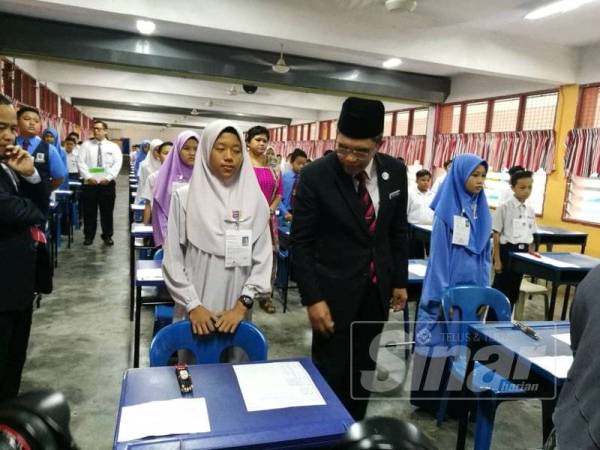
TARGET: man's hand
(288,217)
(229,320)
(104,182)
(498,266)
(203,321)
(91,181)
(399,299)
(320,318)
(19,160)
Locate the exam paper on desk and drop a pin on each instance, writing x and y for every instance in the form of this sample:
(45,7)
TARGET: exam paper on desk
(276,385)
(557,365)
(548,260)
(163,418)
(150,274)
(563,337)
(417,269)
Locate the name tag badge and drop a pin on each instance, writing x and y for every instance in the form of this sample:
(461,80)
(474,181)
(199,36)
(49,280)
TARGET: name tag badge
(238,248)
(462,231)
(40,157)
(394,194)
(521,228)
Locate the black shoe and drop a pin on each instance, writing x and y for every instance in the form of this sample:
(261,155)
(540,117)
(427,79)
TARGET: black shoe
(88,241)
(108,241)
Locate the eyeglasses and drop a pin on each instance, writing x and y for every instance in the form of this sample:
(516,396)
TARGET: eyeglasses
(98,128)
(361,153)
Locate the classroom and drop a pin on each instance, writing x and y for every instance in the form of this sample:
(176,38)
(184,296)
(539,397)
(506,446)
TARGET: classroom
(339,224)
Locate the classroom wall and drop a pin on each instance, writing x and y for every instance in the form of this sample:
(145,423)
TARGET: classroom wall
(557,183)
(589,64)
(472,86)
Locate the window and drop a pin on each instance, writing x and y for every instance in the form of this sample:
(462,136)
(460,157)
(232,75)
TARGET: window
(420,122)
(456,110)
(583,200)
(313,131)
(402,119)
(540,111)
(589,108)
(505,115)
(497,183)
(475,117)
(388,121)
(333,130)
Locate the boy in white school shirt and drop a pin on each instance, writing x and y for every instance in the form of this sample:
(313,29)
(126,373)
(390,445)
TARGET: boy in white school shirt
(418,210)
(513,225)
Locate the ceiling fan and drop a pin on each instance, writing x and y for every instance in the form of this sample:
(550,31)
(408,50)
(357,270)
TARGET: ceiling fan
(280,66)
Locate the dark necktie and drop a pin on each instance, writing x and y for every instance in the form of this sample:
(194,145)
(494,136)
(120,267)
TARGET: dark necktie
(99,158)
(25,145)
(369,214)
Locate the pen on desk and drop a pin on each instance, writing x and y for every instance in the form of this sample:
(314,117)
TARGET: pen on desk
(396,344)
(527,330)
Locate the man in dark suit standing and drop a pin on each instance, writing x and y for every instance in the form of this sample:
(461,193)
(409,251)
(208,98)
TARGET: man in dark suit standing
(23,204)
(349,241)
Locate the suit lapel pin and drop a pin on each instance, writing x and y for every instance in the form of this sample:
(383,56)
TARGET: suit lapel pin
(385,176)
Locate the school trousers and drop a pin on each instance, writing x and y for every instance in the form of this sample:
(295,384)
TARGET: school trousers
(98,197)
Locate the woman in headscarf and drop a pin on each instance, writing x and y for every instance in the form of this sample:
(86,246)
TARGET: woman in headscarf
(140,156)
(147,191)
(150,165)
(174,173)
(271,186)
(460,202)
(218,253)
(52,137)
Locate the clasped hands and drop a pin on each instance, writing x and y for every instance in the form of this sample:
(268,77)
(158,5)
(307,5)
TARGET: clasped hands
(206,322)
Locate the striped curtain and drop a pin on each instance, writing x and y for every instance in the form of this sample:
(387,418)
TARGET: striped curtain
(582,158)
(530,149)
(411,148)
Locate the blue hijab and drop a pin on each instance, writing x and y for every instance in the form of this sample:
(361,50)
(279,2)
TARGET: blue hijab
(140,156)
(452,198)
(63,155)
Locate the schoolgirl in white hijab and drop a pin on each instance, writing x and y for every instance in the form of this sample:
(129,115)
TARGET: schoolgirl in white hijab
(213,282)
(148,166)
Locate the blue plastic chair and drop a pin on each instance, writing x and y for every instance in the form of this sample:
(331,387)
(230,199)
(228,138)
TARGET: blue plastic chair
(206,349)
(461,304)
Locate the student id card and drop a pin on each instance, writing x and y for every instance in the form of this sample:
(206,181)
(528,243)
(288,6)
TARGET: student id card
(238,248)
(461,231)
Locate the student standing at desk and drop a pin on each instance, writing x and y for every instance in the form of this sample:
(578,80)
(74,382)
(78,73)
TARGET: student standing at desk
(577,415)
(418,210)
(514,225)
(218,253)
(72,154)
(459,255)
(147,190)
(175,172)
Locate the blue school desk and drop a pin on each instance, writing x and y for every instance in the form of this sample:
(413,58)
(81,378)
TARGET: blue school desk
(137,230)
(519,262)
(140,283)
(65,198)
(511,344)
(550,236)
(231,425)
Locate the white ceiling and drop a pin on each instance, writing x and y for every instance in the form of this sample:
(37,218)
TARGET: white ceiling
(481,40)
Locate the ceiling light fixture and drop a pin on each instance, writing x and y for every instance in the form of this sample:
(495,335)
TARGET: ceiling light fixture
(558,7)
(391,63)
(145,26)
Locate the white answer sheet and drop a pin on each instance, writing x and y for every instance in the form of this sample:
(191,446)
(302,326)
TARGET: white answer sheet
(163,418)
(557,365)
(276,385)
(417,269)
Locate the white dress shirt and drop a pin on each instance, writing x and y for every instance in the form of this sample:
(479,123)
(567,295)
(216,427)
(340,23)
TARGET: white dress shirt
(72,161)
(504,222)
(371,184)
(88,158)
(417,208)
(438,182)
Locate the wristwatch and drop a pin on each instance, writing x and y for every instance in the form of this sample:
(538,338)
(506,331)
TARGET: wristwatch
(247,301)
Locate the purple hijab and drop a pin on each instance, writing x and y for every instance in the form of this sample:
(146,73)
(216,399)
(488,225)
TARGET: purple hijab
(172,170)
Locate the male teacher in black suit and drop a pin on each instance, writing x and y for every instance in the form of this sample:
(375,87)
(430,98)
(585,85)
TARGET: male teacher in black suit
(23,204)
(349,243)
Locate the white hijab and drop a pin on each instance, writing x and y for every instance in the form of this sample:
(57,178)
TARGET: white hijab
(151,163)
(211,202)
